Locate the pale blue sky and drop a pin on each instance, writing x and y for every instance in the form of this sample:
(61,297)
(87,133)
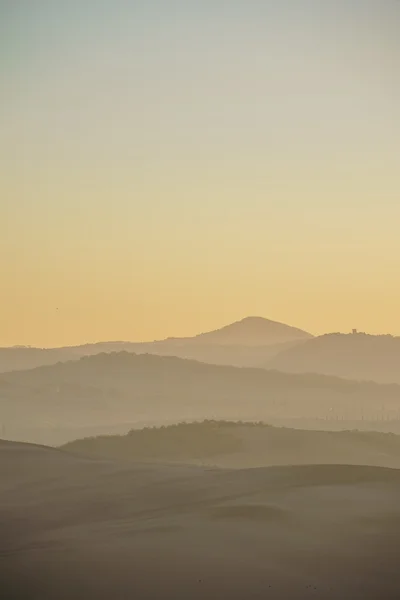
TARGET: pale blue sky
(171,166)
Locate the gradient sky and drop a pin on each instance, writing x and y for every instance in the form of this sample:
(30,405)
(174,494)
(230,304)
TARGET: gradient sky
(171,166)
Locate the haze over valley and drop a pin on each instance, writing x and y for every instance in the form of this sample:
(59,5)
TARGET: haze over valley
(199,300)
(256,448)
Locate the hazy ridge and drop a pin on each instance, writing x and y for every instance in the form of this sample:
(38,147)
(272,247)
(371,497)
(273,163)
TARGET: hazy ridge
(251,342)
(238,445)
(109,389)
(248,342)
(354,356)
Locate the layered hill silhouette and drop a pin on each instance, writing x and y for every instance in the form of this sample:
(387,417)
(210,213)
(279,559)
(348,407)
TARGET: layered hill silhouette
(76,528)
(248,342)
(354,356)
(108,389)
(239,445)
(252,342)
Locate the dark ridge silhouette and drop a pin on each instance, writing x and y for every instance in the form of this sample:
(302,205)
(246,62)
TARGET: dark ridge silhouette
(81,528)
(354,356)
(109,389)
(249,342)
(237,445)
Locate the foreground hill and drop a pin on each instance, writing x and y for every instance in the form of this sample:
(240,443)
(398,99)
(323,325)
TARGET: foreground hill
(355,356)
(75,528)
(109,389)
(238,445)
(249,342)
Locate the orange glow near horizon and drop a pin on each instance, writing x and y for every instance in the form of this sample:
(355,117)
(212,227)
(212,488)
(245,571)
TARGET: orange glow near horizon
(161,179)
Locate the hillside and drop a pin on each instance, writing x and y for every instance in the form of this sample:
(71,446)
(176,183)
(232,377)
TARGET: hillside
(21,358)
(355,356)
(239,445)
(74,528)
(109,389)
(250,342)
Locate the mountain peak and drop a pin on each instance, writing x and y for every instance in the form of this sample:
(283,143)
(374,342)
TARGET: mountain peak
(253,331)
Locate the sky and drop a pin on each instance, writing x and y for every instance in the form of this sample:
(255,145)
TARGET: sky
(171,166)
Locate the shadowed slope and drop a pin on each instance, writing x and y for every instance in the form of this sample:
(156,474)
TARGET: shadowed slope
(75,528)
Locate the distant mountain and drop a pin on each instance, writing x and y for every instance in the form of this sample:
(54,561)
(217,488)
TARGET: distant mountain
(354,356)
(19,358)
(242,445)
(251,331)
(249,342)
(110,389)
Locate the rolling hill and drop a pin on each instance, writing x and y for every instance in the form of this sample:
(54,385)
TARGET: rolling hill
(249,342)
(354,356)
(109,389)
(75,528)
(243,445)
